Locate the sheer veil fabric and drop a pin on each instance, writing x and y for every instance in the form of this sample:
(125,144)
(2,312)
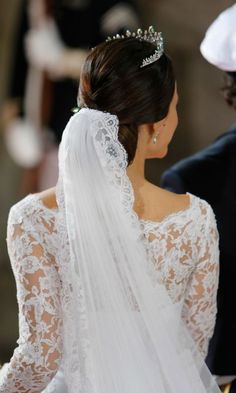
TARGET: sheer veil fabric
(132,339)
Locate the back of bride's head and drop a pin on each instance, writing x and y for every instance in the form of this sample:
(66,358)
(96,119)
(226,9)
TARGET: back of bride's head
(113,81)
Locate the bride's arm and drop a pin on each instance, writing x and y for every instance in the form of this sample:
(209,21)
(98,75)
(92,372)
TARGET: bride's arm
(199,311)
(36,359)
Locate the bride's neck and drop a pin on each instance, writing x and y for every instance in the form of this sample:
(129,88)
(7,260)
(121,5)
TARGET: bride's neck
(135,172)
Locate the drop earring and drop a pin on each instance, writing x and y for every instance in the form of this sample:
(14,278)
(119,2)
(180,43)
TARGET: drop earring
(155,138)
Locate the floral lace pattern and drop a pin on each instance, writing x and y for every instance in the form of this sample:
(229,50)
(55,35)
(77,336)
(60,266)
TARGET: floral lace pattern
(31,245)
(183,251)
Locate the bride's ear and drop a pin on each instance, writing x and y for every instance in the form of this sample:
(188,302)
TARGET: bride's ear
(151,129)
(159,125)
(147,129)
(156,128)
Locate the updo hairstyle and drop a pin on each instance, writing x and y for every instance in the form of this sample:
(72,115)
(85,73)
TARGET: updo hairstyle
(112,81)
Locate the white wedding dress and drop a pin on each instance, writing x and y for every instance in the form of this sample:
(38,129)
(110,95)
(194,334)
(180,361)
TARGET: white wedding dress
(183,255)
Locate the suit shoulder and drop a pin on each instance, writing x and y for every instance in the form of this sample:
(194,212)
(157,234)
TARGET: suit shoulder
(212,155)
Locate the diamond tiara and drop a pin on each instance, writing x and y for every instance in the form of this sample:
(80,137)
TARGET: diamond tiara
(149,35)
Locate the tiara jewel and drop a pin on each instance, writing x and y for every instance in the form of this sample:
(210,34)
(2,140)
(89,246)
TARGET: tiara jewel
(149,35)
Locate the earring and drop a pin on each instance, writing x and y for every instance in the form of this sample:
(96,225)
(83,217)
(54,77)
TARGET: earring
(156,137)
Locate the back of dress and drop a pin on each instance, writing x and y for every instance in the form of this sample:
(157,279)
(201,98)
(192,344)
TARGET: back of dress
(182,255)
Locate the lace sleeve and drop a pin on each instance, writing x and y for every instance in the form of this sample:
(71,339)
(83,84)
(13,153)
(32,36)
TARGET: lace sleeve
(36,359)
(199,309)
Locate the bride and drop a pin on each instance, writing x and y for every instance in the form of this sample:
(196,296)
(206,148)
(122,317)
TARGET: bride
(116,278)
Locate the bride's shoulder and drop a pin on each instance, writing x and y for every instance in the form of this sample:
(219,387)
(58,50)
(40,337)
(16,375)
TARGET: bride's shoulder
(34,209)
(32,231)
(161,203)
(183,205)
(48,198)
(175,201)
(196,210)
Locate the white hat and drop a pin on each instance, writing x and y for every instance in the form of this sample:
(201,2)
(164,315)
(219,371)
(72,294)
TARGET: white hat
(219,44)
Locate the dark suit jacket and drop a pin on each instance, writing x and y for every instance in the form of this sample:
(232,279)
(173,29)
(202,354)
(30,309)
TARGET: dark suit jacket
(211,175)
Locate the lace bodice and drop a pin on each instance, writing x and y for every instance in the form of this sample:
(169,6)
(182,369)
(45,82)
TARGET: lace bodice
(183,255)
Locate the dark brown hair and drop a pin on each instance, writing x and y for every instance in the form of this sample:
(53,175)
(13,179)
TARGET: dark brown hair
(229,90)
(112,81)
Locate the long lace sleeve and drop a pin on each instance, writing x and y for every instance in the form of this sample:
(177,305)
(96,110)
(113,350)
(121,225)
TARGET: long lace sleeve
(199,309)
(36,359)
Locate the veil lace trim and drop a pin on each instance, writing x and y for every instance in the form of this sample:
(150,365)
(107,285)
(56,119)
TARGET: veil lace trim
(113,157)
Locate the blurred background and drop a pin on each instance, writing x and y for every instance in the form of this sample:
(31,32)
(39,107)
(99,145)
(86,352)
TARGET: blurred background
(203,114)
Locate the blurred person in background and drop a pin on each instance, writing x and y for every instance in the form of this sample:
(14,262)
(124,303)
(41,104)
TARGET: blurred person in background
(52,42)
(211,174)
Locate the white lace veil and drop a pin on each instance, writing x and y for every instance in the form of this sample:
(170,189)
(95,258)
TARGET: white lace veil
(121,333)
